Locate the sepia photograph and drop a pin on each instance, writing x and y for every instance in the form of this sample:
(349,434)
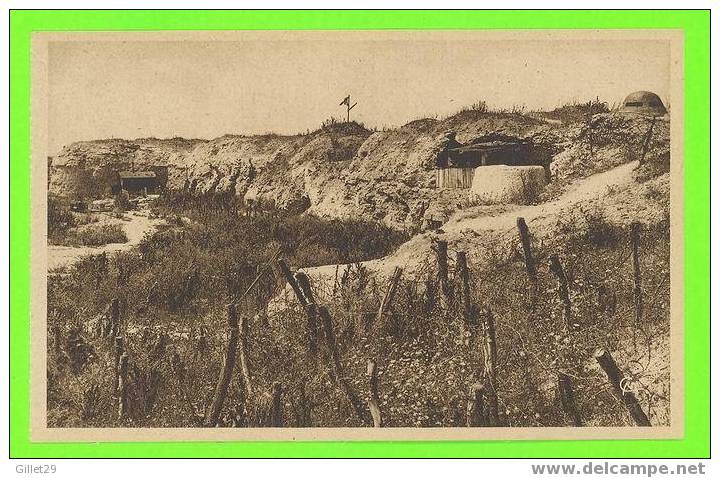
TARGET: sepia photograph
(357,235)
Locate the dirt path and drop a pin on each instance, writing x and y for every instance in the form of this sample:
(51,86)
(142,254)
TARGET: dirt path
(414,252)
(590,188)
(135,229)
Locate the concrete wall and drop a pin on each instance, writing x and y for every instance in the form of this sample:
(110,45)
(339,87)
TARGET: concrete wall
(507,184)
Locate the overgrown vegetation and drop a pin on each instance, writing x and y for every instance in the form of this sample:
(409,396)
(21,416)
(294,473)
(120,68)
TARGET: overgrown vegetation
(83,229)
(575,111)
(301,353)
(429,348)
(97,235)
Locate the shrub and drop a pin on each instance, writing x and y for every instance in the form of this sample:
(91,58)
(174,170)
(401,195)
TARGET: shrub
(122,202)
(574,111)
(589,226)
(99,235)
(480,106)
(600,231)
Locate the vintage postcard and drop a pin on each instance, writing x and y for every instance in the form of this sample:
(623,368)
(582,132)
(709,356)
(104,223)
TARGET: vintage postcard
(357,235)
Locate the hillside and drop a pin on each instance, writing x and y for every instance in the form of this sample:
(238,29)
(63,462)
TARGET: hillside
(320,307)
(341,170)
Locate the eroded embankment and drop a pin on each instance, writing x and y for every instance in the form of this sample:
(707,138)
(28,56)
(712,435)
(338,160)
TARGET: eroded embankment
(480,230)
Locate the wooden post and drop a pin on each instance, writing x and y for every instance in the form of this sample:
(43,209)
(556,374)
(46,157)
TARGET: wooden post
(335,281)
(227,367)
(527,251)
(57,339)
(243,351)
(646,143)
(567,399)
(490,350)
(114,325)
(303,411)
(310,311)
(118,352)
(301,286)
(285,270)
(440,248)
(276,411)
(330,341)
(637,289)
(122,386)
(563,292)
(374,400)
(465,278)
(388,298)
(475,410)
(336,366)
(617,378)
(304,284)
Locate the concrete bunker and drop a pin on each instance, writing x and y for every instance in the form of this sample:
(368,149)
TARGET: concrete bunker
(494,168)
(644,102)
(500,184)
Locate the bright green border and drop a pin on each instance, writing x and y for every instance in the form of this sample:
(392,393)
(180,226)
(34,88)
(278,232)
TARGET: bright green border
(696,25)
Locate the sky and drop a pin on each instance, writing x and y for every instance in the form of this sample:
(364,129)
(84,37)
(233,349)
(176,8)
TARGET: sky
(205,89)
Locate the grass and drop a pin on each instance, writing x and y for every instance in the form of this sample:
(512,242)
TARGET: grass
(575,111)
(174,289)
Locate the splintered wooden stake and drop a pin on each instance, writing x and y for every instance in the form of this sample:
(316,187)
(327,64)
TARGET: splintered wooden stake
(285,270)
(243,352)
(301,286)
(308,302)
(563,291)
(374,400)
(617,379)
(475,409)
(122,386)
(441,248)
(337,374)
(567,399)
(114,320)
(464,273)
(490,347)
(118,351)
(524,233)
(276,412)
(637,288)
(388,297)
(227,367)
(646,142)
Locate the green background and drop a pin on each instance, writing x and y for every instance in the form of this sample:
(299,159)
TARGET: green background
(696,25)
